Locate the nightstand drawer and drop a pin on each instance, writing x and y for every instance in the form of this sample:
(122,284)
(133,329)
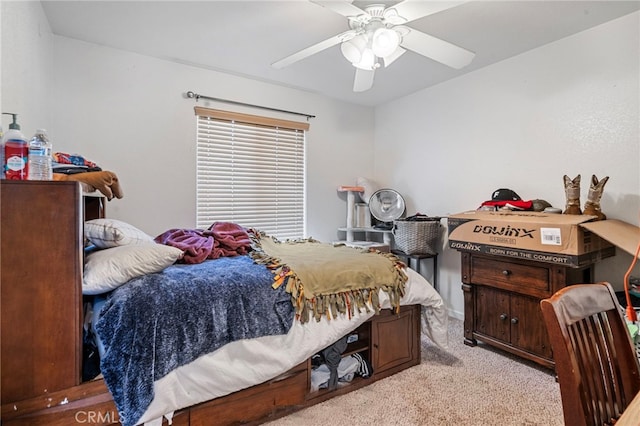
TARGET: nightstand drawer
(525,278)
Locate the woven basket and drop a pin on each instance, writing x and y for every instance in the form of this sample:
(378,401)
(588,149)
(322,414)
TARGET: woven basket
(417,236)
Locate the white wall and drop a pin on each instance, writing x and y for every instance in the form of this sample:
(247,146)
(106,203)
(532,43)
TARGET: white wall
(570,107)
(27,59)
(128,113)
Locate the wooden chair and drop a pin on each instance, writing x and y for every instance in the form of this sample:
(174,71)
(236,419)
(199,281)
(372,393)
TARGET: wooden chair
(596,363)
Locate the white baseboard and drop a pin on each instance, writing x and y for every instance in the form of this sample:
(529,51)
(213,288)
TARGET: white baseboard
(456,314)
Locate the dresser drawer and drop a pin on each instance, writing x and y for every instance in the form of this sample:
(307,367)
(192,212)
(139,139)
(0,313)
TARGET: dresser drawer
(509,275)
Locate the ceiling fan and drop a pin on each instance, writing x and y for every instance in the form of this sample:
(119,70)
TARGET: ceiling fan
(378,37)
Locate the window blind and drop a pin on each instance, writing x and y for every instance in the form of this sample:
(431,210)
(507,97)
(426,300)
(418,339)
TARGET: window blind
(251,171)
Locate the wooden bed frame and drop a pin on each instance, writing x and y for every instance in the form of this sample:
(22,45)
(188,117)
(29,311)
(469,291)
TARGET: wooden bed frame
(41,319)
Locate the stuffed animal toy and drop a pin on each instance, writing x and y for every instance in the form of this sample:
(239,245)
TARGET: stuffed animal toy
(572,191)
(592,205)
(104,181)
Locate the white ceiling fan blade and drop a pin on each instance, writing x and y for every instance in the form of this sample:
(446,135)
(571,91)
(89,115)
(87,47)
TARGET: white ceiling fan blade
(363,80)
(344,7)
(437,49)
(388,60)
(416,9)
(312,50)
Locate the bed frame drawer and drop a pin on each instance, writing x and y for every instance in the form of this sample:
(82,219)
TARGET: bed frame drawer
(255,403)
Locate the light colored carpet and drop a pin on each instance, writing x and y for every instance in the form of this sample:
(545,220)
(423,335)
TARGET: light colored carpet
(465,386)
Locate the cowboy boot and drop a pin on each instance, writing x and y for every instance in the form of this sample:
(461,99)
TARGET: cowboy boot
(572,191)
(592,205)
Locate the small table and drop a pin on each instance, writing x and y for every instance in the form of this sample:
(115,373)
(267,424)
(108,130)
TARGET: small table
(418,258)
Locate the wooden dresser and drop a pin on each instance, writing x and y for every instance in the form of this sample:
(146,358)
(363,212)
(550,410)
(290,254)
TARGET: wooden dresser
(502,302)
(41,292)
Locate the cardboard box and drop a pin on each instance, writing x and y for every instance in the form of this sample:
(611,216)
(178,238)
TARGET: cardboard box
(619,233)
(543,237)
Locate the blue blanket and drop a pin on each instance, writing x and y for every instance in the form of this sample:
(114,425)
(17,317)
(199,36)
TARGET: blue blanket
(158,322)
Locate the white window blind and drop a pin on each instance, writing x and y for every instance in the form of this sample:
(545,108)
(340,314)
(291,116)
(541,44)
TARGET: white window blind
(251,171)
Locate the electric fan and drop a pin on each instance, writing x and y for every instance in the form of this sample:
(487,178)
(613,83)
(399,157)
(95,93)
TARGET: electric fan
(386,205)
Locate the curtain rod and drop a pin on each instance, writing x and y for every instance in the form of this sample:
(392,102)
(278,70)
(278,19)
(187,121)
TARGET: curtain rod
(197,96)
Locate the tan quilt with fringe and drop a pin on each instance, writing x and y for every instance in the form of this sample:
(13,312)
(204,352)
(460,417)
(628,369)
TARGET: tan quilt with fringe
(324,279)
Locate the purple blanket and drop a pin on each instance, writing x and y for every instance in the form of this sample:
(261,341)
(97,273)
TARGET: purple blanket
(222,239)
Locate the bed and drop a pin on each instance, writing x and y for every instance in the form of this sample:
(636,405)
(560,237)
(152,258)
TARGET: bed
(260,363)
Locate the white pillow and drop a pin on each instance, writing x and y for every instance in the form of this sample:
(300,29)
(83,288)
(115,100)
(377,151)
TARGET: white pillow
(107,233)
(105,270)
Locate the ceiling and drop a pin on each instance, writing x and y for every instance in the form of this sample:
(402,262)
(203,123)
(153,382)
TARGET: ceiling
(245,37)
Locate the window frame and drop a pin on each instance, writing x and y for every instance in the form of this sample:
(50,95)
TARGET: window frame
(258,155)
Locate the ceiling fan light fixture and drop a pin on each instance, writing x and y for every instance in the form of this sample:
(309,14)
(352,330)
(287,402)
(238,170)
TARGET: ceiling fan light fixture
(367,60)
(385,41)
(378,36)
(353,49)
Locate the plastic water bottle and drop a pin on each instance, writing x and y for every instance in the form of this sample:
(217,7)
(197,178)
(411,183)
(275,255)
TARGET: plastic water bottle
(40,167)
